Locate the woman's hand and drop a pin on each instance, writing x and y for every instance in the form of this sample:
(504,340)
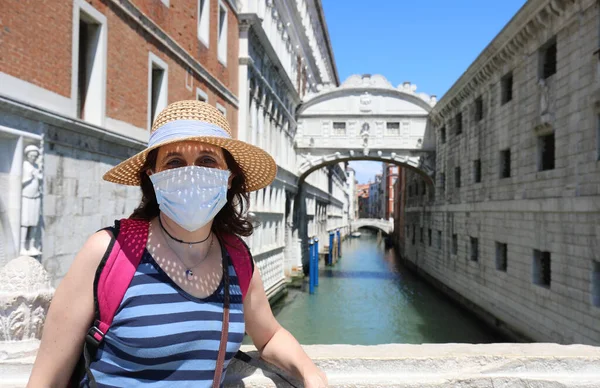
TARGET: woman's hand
(275,344)
(315,378)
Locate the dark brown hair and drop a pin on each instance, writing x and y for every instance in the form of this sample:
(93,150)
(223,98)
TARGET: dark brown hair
(229,220)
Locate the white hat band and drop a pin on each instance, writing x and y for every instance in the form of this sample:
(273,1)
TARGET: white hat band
(182,129)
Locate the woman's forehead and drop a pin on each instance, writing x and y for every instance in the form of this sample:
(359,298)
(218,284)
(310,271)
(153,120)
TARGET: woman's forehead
(190,148)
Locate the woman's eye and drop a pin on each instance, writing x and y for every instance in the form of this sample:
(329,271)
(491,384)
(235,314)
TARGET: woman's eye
(174,163)
(207,161)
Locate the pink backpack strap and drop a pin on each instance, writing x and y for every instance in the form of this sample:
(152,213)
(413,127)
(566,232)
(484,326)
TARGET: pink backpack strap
(114,274)
(241,259)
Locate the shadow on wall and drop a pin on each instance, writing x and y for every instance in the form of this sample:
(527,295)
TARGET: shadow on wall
(7,246)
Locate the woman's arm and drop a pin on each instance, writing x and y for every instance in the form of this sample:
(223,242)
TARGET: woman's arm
(276,344)
(69,317)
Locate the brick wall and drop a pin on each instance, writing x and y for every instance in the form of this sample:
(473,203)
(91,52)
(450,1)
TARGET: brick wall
(36,39)
(180,22)
(35,42)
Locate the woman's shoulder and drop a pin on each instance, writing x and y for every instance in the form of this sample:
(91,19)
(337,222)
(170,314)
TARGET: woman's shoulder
(96,245)
(93,250)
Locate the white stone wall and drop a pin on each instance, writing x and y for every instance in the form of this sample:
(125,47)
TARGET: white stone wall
(268,100)
(76,202)
(555,211)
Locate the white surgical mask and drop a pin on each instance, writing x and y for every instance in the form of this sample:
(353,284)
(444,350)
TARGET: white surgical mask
(191,196)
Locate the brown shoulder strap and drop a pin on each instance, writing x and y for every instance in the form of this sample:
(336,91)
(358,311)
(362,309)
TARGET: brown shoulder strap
(224,330)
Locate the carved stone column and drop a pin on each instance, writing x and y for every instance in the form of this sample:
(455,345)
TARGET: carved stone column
(25,295)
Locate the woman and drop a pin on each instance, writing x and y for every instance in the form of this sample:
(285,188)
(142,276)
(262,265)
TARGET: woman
(194,179)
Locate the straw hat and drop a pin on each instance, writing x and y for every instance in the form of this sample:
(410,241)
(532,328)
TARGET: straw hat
(196,120)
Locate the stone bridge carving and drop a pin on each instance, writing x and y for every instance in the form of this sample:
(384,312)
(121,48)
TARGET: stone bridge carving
(386,226)
(366,118)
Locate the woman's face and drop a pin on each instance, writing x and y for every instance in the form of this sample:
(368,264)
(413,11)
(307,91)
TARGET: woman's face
(189,153)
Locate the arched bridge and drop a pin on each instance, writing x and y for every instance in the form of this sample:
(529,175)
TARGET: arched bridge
(366,118)
(386,226)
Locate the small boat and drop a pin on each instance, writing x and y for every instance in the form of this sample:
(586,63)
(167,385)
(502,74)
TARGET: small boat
(355,234)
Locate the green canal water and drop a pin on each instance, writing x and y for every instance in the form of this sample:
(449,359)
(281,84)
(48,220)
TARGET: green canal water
(368,299)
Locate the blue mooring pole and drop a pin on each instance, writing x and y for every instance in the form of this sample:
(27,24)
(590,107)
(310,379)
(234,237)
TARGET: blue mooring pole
(339,237)
(311,268)
(316,248)
(330,258)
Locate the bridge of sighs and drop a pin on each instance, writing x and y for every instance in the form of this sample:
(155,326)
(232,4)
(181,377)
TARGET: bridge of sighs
(365,118)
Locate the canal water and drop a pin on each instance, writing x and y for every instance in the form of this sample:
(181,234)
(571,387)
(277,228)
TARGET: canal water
(368,299)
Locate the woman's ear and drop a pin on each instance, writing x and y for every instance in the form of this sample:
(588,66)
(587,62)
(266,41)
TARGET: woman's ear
(149,172)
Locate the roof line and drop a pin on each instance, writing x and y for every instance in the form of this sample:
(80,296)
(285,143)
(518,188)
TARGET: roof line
(327,40)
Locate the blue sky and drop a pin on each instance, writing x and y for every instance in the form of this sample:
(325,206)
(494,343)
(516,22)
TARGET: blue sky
(427,42)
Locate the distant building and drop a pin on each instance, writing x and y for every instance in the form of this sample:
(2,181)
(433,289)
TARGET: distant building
(375,197)
(362,195)
(390,175)
(352,193)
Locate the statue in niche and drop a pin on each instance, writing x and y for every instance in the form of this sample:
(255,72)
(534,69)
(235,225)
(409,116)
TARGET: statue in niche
(364,133)
(544,105)
(31,194)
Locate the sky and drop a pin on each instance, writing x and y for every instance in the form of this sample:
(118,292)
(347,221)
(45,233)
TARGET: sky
(427,42)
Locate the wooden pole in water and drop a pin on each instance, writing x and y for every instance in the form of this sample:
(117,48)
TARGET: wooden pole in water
(331,243)
(339,252)
(316,262)
(311,269)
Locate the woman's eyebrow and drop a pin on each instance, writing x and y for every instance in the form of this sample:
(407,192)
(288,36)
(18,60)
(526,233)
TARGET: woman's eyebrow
(173,153)
(210,152)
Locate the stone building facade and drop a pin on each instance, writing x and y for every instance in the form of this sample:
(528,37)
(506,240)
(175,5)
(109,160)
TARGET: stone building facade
(284,54)
(390,176)
(82,81)
(512,226)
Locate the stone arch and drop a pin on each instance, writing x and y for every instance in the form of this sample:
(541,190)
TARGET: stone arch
(412,163)
(316,163)
(374,227)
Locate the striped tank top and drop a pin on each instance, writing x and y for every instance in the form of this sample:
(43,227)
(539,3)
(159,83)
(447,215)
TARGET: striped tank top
(163,337)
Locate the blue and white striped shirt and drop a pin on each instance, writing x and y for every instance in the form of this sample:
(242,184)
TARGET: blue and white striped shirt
(162,336)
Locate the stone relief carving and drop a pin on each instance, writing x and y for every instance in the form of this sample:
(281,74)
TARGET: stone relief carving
(31,199)
(365,102)
(25,295)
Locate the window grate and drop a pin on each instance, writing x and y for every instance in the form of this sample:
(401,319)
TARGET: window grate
(548,59)
(546,152)
(501,256)
(506,86)
(479,108)
(542,271)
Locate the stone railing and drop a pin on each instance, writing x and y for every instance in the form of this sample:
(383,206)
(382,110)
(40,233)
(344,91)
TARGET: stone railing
(429,366)
(439,366)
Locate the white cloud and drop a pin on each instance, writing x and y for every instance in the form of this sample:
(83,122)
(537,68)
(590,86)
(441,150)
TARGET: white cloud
(366,170)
